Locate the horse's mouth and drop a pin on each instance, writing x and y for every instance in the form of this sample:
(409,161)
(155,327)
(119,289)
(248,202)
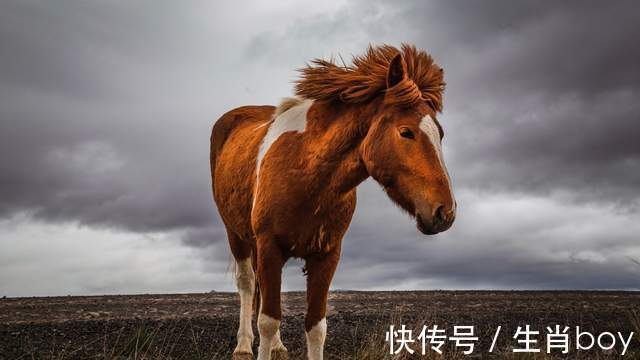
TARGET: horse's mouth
(423,227)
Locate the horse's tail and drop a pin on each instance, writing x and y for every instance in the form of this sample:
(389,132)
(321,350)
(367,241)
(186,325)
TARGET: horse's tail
(256,292)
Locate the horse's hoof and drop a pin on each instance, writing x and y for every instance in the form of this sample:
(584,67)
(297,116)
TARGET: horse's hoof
(242,356)
(279,354)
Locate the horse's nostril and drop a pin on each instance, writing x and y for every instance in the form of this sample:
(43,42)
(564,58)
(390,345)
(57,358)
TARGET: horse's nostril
(439,216)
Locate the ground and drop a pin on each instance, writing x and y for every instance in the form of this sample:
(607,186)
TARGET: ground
(195,326)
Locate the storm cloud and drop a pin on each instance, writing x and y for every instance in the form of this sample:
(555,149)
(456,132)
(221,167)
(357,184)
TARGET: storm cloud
(106,110)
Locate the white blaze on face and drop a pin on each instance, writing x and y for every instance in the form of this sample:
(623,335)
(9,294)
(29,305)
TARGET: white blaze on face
(293,119)
(429,127)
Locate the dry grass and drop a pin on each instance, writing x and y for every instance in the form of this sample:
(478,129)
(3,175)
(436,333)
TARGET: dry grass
(160,342)
(145,343)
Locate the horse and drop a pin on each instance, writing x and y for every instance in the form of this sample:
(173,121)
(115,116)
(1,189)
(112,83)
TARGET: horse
(284,178)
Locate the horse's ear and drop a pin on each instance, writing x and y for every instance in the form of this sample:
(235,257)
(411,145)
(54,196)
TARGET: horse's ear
(397,71)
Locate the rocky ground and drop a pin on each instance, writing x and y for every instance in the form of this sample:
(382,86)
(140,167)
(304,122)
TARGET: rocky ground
(194,326)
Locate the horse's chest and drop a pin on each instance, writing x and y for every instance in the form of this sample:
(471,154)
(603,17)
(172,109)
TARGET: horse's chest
(304,222)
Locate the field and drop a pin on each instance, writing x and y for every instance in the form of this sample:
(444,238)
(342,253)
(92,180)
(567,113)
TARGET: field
(203,326)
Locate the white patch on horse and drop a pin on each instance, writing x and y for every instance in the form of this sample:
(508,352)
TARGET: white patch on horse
(429,127)
(268,328)
(290,115)
(293,118)
(315,340)
(276,344)
(245,280)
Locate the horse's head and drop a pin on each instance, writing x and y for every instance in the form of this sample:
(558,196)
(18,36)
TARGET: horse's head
(402,151)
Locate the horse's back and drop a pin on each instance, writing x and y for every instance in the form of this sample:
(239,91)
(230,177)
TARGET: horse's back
(235,140)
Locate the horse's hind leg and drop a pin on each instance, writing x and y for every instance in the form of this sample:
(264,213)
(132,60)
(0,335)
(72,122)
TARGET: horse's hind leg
(245,280)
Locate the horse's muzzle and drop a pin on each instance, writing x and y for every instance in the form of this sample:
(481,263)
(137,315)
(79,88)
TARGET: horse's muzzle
(440,220)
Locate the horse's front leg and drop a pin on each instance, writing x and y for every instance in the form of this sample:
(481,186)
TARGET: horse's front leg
(270,262)
(320,269)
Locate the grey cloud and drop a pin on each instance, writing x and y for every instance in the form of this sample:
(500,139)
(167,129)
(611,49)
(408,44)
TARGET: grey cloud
(79,95)
(586,149)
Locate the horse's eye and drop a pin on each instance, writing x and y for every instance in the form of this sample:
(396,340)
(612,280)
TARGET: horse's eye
(405,132)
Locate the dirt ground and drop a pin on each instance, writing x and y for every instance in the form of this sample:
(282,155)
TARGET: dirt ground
(199,326)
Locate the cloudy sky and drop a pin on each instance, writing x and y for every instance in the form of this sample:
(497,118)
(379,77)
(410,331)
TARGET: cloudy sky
(106,110)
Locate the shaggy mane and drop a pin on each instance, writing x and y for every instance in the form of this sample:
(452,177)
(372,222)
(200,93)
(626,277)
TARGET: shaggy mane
(286,104)
(366,78)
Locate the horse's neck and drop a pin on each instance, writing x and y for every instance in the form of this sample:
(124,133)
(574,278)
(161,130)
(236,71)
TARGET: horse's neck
(335,148)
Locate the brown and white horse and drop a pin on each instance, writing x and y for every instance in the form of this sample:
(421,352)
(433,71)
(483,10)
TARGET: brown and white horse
(284,178)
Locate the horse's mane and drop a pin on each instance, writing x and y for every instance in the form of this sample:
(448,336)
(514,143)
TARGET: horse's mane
(366,78)
(286,104)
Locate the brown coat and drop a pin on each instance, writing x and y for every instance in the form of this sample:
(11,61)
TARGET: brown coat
(365,120)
